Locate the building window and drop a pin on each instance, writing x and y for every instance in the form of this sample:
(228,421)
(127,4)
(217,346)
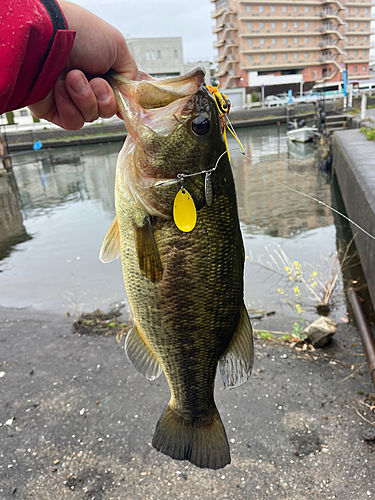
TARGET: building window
(364,68)
(306,55)
(261,26)
(260,8)
(262,57)
(273,56)
(250,26)
(175,53)
(355,69)
(250,41)
(273,25)
(295,40)
(284,25)
(283,8)
(364,25)
(365,52)
(153,55)
(261,41)
(356,39)
(248,8)
(273,8)
(347,25)
(148,56)
(355,53)
(295,55)
(366,10)
(314,55)
(295,25)
(284,56)
(356,10)
(306,40)
(306,9)
(356,25)
(314,40)
(365,38)
(273,41)
(285,40)
(250,58)
(295,9)
(306,25)
(347,10)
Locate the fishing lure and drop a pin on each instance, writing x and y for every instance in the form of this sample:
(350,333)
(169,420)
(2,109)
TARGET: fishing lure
(223,105)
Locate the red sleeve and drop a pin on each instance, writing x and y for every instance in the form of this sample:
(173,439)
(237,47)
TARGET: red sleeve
(35,44)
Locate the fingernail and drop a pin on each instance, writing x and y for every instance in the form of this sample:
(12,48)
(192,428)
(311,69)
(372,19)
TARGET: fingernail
(79,85)
(104,94)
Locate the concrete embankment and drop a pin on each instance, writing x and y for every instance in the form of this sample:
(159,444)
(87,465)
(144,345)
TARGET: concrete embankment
(353,164)
(114,131)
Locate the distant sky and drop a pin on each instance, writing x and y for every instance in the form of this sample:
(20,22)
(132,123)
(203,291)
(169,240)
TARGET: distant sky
(190,19)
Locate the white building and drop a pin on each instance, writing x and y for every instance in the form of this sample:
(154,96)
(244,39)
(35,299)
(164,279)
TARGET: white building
(162,57)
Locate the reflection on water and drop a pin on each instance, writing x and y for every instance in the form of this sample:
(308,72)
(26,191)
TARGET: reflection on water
(67,206)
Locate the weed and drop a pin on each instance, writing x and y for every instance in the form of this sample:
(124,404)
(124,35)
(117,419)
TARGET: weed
(369,132)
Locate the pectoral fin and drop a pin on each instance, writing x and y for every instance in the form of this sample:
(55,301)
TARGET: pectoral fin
(111,244)
(148,254)
(141,355)
(237,361)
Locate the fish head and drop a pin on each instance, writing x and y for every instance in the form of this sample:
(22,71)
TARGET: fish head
(174,128)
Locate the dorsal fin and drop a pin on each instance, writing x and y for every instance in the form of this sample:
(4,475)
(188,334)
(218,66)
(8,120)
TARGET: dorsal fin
(111,244)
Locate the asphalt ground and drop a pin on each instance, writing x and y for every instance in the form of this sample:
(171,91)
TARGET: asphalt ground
(77,421)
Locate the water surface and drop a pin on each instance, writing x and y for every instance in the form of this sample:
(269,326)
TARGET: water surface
(66,203)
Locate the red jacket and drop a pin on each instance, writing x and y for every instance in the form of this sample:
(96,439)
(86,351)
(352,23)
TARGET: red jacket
(35,43)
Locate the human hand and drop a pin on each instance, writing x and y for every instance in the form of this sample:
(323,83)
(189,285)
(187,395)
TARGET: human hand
(98,47)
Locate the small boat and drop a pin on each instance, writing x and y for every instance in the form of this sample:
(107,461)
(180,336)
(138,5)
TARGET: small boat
(299,132)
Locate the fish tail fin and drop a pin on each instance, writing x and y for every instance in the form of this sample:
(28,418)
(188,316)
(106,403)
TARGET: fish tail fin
(204,444)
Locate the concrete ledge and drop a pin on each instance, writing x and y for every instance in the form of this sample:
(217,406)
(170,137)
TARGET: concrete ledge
(354,166)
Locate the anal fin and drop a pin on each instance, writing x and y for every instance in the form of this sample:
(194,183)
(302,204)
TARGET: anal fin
(237,361)
(141,355)
(148,254)
(110,249)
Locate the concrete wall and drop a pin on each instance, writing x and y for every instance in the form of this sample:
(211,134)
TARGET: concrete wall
(353,164)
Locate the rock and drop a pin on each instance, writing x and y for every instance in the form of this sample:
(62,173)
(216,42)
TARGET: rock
(369,434)
(320,331)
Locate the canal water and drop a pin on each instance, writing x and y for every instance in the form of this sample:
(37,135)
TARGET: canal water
(57,212)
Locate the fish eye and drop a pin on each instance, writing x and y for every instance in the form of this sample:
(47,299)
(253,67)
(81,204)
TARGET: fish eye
(200,125)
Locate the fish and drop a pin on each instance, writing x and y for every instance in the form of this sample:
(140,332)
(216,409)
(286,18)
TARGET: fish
(184,286)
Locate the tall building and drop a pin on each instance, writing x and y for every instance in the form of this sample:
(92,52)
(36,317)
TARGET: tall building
(271,42)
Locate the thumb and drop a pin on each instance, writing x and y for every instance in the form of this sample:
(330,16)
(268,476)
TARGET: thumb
(124,62)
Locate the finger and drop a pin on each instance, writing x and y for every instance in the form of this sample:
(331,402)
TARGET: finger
(70,116)
(125,63)
(82,95)
(106,100)
(46,109)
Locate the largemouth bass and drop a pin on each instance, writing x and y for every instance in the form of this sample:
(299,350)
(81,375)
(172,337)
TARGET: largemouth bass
(185,287)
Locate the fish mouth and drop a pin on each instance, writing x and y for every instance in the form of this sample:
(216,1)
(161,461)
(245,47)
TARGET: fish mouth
(153,103)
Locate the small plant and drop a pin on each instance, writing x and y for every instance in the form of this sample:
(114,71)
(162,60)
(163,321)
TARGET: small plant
(369,132)
(317,285)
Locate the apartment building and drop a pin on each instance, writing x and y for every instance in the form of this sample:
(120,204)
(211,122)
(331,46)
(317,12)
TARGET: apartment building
(272,42)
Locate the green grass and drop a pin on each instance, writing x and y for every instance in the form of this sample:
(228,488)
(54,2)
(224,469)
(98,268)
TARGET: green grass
(369,132)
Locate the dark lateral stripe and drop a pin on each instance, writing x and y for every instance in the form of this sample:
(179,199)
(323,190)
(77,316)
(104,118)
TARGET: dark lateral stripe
(58,21)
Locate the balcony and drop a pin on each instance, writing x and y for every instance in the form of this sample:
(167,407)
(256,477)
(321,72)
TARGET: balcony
(339,6)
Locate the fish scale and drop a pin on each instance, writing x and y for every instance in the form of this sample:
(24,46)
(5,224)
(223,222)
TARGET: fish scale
(185,289)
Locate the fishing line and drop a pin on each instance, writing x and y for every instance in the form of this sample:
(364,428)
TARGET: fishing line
(314,199)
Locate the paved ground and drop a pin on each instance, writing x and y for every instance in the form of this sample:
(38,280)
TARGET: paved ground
(81,422)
